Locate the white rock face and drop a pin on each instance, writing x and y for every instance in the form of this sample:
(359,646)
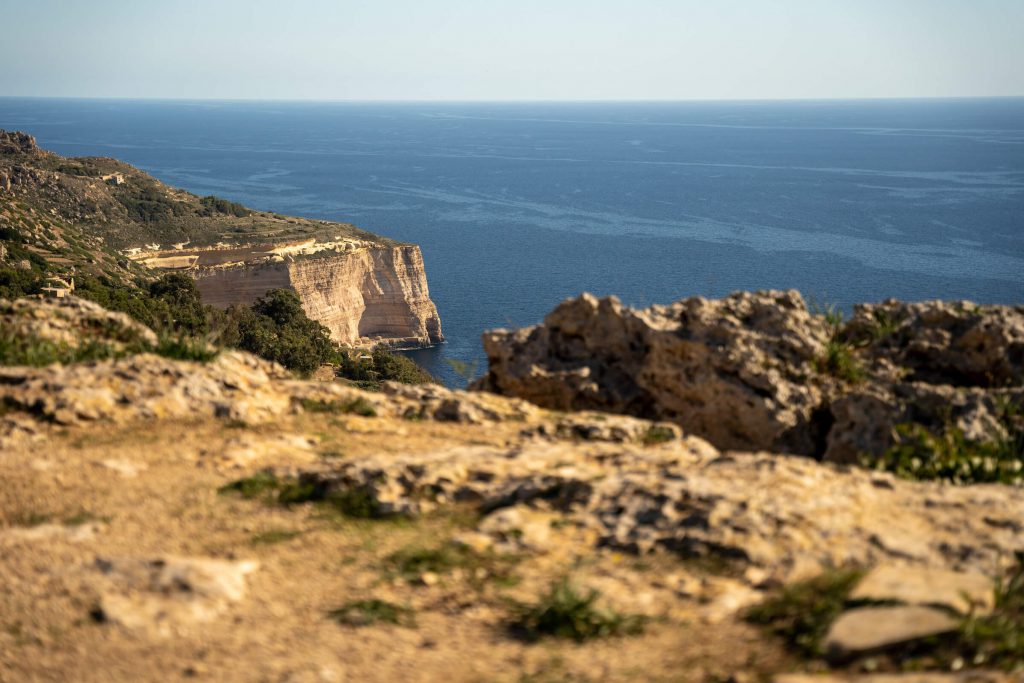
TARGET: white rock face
(371,295)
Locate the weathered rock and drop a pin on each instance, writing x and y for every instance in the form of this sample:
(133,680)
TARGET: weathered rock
(945,342)
(16,142)
(872,629)
(962,591)
(738,372)
(72,322)
(160,597)
(789,516)
(235,385)
(747,371)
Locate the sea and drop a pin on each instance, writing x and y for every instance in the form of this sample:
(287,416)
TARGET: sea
(518,206)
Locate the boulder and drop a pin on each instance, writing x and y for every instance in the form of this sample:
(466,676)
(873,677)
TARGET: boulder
(738,372)
(874,629)
(964,592)
(752,371)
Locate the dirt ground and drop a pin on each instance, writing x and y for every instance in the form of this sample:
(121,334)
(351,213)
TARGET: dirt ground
(151,490)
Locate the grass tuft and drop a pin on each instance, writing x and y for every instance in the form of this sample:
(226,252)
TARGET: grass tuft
(997,639)
(567,611)
(274,536)
(801,613)
(839,362)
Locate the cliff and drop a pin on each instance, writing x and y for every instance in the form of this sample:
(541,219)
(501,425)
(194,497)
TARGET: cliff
(367,295)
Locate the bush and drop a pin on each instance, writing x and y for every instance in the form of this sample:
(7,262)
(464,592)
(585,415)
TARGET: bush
(383,365)
(183,312)
(276,328)
(149,205)
(950,456)
(214,205)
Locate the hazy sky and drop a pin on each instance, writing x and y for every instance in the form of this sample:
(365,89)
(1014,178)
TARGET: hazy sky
(514,49)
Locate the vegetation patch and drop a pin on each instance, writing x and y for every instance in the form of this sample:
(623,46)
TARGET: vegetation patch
(567,611)
(382,366)
(373,611)
(215,205)
(288,491)
(997,639)
(949,456)
(657,434)
(410,564)
(801,613)
(839,362)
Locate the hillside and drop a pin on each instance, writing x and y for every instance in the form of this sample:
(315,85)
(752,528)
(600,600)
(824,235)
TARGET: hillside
(99,218)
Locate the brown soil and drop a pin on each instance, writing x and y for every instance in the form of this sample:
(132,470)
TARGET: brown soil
(282,630)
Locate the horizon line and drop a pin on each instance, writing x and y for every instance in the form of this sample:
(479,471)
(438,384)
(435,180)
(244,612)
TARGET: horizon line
(301,100)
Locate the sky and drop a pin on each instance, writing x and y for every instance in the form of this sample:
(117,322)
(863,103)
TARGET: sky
(512,50)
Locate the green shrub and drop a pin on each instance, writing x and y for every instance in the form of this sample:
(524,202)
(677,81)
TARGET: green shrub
(838,361)
(383,365)
(566,611)
(802,612)
(252,487)
(215,205)
(276,328)
(150,204)
(183,348)
(950,456)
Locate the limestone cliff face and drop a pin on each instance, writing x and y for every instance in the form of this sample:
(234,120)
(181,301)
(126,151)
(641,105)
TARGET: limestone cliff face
(369,295)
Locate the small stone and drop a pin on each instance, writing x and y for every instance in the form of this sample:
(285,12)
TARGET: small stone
(429,578)
(870,629)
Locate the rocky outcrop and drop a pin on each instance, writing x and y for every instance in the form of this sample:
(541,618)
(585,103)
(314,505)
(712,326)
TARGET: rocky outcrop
(16,142)
(759,371)
(365,296)
(785,517)
(72,322)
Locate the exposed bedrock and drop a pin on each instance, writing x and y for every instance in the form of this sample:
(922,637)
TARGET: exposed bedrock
(367,296)
(753,370)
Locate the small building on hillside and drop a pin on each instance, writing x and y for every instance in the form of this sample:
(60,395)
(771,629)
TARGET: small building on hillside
(58,288)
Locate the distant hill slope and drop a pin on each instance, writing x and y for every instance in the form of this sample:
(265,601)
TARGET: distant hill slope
(107,224)
(43,193)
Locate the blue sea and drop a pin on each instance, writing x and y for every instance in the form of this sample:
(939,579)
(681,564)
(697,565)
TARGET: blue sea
(518,206)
